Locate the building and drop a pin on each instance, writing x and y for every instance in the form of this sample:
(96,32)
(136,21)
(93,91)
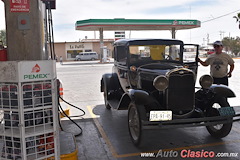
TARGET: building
(69,50)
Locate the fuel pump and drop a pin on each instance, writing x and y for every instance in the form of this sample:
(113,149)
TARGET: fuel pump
(29,127)
(105,54)
(3,52)
(29,88)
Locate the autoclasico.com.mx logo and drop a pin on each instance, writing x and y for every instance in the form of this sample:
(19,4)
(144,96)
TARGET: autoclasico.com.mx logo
(187,153)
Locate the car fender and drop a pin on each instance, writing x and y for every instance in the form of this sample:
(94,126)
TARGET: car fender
(111,81)
(105,81)
(138,96)
(222,91)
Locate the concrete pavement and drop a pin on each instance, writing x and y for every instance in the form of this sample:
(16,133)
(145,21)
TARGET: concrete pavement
(105,135)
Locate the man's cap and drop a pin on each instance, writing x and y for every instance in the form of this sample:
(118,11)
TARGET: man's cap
(217,43)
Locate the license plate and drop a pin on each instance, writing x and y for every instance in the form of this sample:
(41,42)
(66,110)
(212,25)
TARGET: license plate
(226,111)
(160,115)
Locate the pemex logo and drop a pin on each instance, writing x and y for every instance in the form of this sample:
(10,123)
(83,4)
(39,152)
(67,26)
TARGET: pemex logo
(36,69)
(36,75)
(175,22)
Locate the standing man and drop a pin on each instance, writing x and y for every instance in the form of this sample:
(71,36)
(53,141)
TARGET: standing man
(61,60)
(219,62)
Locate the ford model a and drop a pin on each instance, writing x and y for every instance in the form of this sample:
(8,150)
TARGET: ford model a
(154,79)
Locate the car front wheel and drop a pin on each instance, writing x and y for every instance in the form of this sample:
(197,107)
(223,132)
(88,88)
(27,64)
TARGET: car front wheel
(135,115)
(219,130)
(105,95)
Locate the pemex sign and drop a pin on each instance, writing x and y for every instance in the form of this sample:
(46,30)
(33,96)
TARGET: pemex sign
(35,74)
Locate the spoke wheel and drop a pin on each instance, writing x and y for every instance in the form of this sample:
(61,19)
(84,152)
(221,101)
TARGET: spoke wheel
(134,124)
(105,95)
(219,130)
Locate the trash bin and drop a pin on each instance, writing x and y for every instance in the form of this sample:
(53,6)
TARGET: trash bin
(3,55)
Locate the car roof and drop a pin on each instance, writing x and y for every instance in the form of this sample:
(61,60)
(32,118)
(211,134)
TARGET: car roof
(123,42)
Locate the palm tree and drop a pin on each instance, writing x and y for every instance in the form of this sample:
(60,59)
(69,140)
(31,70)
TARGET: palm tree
(238,19)
(3,37)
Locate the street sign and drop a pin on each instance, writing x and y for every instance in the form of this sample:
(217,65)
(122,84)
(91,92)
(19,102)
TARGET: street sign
(119,35)
(19,5)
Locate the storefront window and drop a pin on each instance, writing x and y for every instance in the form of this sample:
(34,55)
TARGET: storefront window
(73,53)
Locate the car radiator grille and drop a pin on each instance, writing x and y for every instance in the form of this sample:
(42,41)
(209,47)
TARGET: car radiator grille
(181,91)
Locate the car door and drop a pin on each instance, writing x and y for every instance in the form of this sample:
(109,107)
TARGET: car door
(86,56)
(190,56)
(120,66)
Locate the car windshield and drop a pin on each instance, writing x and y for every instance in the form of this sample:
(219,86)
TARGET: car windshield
(140,53)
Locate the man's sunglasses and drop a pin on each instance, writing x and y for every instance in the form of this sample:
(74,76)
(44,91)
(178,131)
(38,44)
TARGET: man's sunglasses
(216,46)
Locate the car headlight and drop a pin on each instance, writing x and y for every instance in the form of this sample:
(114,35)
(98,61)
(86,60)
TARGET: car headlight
(160,83)
(206,81)
(133,68)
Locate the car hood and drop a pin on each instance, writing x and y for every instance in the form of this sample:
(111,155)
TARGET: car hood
(158,69)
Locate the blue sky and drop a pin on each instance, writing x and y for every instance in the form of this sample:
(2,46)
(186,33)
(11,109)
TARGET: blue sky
(180,8)
(70,11)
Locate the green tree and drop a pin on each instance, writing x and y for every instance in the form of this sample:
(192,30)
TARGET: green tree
(3,37)
(232,44)
(237,19)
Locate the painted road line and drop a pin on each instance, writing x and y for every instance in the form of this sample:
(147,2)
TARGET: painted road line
(116,155)
(64,108)
(102,132)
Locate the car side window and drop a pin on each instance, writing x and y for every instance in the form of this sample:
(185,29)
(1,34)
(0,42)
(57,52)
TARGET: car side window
(121,54)
(114,53)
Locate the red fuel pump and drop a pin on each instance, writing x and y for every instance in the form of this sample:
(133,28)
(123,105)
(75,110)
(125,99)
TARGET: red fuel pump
(3,53)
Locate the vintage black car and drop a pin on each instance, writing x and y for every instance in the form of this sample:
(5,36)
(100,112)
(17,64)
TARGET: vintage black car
(154,79)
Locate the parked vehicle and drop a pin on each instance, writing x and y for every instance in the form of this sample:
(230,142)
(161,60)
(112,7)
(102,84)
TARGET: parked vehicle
(87,56)
(210,51)
(154,79)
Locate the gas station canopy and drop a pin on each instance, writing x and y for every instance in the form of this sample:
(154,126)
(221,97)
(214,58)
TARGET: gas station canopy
(135,24)
(122,24)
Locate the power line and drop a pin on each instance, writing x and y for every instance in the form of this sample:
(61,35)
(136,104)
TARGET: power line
(221,16)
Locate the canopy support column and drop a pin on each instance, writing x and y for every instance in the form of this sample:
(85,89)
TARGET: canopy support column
(173,33)
(101,43)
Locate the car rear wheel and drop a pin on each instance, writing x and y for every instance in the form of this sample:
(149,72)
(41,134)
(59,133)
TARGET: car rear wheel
(135,115)
(219,130)
(105,95)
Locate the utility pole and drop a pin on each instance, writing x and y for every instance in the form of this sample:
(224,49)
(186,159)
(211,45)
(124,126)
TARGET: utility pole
(221,34)
(25,30)
(203,42)
(207,39)
(101,43)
